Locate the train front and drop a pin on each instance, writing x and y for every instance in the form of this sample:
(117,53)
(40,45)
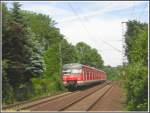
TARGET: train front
(72,75)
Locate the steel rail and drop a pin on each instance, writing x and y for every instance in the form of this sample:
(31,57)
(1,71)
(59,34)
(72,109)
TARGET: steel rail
(79,99)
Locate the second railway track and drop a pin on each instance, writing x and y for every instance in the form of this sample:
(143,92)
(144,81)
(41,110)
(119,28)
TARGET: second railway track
(86,103)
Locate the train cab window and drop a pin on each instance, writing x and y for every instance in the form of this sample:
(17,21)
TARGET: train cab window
(76,71)
(66,71)
(72,68)
(72,71)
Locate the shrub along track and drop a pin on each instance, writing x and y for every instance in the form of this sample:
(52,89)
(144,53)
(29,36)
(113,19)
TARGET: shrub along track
(67,101)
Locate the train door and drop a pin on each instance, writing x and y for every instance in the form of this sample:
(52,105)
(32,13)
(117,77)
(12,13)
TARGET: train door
(101,76)
(85,74)
(91,74)
(94,75)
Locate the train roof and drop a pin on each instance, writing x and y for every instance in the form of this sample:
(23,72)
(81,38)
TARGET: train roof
(78,65)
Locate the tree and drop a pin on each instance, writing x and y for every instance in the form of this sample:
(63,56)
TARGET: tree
(88,56)
(21,49)
(137,42)
(136,79)
(68,52)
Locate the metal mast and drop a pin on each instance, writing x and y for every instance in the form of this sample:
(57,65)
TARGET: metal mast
(124,58)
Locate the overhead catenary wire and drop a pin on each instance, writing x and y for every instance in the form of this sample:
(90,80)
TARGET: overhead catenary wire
(107,42)
(74,11)
(104,40)
(143,11)
(83,25)
(132,11)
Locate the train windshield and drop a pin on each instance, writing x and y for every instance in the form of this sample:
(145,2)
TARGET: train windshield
(72,69)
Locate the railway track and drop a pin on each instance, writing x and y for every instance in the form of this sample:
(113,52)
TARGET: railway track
(27,104)
(67,101)
(61,104)
(86,103)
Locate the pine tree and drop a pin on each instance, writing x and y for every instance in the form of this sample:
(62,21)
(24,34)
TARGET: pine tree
(22,50)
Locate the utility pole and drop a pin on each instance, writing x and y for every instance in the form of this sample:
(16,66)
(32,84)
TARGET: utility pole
(124,58)
(60,57)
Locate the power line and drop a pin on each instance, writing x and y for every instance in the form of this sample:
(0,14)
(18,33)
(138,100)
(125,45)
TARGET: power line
(83,25)
(87,29)
(104,40)
(132,12)
(142,12)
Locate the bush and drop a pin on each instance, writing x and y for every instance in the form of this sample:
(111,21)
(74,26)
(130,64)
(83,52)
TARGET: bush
(136,86)
(24,92)
(8,93)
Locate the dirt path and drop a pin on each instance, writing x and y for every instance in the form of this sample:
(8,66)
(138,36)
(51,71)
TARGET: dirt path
(112,101)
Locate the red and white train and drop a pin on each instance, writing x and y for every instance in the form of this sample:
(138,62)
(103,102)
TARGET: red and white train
(75,74)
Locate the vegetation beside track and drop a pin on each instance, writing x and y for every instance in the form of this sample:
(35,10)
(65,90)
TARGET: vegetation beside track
(134,74)
(33,52)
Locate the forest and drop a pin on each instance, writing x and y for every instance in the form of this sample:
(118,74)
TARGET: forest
(34,50)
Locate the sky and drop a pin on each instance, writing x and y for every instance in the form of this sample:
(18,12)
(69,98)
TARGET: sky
(96,23)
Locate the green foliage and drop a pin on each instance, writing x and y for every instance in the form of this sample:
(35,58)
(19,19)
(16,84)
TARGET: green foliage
(52,62)
(68,52)
(113,73)
(43,27)
(7,94)
(136,72)
(24,91)
(136,86)
(21,49)
(88,56)
(137,42)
